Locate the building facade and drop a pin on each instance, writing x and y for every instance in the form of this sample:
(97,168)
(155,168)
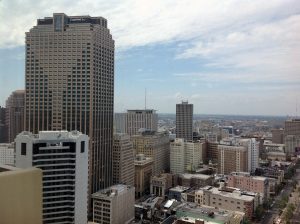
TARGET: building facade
(229,200)
(143,172)
(277,136)
(232,159)
(3,127)
(70,84)
(140,119)
(177,156)
(123,160)
(184,121)
(21,195)
(63,158)
(252,147)
(161,184)
(114,205)
(155,145)
(244,181)
(7,154)
(15,114)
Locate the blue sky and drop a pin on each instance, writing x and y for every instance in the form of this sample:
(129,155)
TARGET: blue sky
(226,57)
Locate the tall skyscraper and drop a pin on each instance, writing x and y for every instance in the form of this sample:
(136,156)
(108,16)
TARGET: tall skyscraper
(137,119)
(3,127)
(292,127)
(15,114)
(184,121)
(70,84)
(123,160)
(252,147)
(63,158)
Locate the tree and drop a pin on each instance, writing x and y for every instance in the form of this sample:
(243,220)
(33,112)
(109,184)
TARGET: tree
(259,211)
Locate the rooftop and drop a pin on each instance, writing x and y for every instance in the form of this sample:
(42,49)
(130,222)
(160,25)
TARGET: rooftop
(112,191)
(198,176)
(179,189)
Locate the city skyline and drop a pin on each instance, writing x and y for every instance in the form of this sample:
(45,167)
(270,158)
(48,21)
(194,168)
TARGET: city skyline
(226,58)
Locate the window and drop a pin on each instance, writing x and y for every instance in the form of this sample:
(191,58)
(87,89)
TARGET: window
(82,146)
(23,149)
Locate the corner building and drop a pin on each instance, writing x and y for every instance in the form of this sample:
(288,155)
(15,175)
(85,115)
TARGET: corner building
(70,85)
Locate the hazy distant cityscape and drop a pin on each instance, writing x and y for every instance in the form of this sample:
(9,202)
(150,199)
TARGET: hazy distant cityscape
(67,156)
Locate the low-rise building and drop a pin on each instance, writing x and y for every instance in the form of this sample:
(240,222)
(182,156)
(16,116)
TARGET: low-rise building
(190,213)
(246,182)
(143,172)
(195,180)
(175,192)
(226,199)
(161,184)
(114,205)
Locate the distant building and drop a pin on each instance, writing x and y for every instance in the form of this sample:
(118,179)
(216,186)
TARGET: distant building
(277,136)
(120,122)
(114,205)
(252,147)
(123,160)
(7,154)
(292,145)
(155,145)
(21,195)
(232,159)
(63,158)
(212,151)
(292,127)
(140,119)
(15,114)
(184,121)
(186,156)
(143,172)
(3,126)
(226,199)
(161,184)
(246,182)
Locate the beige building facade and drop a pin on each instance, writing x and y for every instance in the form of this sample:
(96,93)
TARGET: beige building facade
(20,195)
(143,172)
(123,160)
(155,145)
(114,205)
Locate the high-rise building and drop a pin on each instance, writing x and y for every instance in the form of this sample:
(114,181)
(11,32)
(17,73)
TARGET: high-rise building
(21,195)
(292,136)
(186,156)
(212,152)
(123,160)
(70,84)
(140,119)
(184,121)
(292,127)
(15,114)
(156,145)
(232,159)
(114,205)
(3,127)
(277,136)
(252,147)
(63,158)
(7,154)
(120,122)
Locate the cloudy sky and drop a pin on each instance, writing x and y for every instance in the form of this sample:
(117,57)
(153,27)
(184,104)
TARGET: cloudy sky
(225,57)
